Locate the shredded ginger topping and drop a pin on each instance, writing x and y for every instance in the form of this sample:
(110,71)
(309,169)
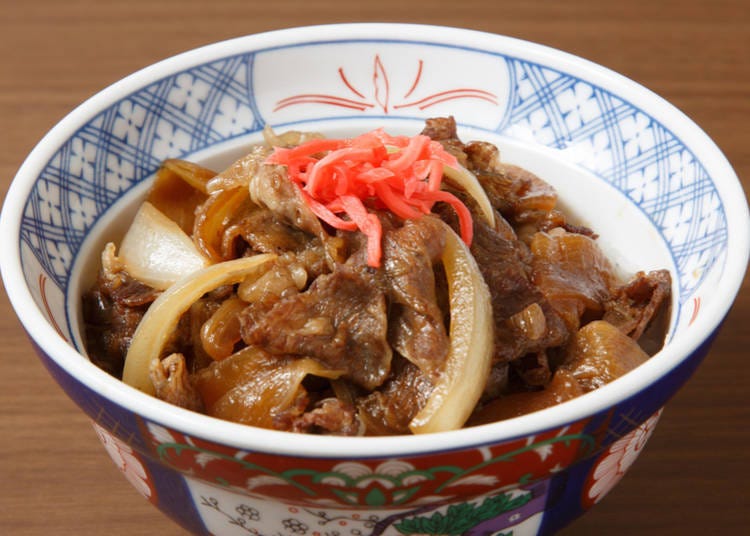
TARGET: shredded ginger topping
(341,180)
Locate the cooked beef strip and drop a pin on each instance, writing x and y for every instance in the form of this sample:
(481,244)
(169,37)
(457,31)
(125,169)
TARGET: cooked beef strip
(110,326)
(638,304)
(270,188)
(417,327)
(389,409)
(443,130)
(266,233)
(503,264)
(172,382)
(113,308)
(341,315)
(329,416)
(534,369)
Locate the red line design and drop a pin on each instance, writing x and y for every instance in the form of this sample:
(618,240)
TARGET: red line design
(380,81)
(347,84)
(314,98)
(381,87)
(433,103)
(43,292)
(696,308)
(416,80)
(459,93)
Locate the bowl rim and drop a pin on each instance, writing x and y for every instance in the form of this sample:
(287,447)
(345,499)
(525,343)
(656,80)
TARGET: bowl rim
(285,443)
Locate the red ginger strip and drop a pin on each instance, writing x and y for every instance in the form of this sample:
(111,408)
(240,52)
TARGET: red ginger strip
(365,171)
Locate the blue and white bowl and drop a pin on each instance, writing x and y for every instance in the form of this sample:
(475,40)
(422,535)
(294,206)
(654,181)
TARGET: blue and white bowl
(654,186)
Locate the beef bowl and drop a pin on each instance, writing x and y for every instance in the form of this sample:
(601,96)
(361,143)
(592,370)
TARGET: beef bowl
(522,424)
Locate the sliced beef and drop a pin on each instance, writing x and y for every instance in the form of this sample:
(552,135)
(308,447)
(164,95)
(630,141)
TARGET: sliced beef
(339,321)
(417,327)
(389,410)
(502,264)
(266,233)
(329,416)
(270,188)
(113,308)
(173,384)
(515,192)
(640,308)
(443,130)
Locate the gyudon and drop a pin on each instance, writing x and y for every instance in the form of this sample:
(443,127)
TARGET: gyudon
(374,285)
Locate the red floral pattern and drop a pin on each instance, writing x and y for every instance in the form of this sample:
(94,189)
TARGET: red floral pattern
(382,482)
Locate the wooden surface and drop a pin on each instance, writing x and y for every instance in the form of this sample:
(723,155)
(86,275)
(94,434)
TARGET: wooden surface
(692,478)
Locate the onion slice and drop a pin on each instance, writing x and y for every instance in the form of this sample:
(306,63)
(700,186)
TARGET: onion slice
(156,251)
(469,182)
(164,313)
(467,365)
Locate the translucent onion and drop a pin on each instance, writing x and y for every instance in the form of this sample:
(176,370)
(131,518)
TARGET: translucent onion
(469,182)
(254,387)
(156,251)
(164,313)
(212,219)
(467,366)
(193,174)
(290,138)
(221,331)
(178,189)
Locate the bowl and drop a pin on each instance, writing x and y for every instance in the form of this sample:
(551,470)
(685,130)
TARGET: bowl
(656,189)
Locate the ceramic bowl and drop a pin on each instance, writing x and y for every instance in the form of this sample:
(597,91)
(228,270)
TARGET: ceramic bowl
(655,187)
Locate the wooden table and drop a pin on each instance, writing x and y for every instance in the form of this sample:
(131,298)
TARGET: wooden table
(692,478)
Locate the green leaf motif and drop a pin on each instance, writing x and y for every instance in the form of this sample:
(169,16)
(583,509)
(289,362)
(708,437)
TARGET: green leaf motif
(375,497)
(459,518)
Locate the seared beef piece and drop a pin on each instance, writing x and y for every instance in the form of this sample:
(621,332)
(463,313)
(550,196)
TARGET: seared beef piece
(497,382)
(172,383)
(265,233)
(417,327)
(640,305)
(443,129)
(329,416)
(533,369)
(517,193)
(109,329)
(389,410)
(501,262)
(340,321)
(505,264)
(271,188)
(113,308)
(132,293)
